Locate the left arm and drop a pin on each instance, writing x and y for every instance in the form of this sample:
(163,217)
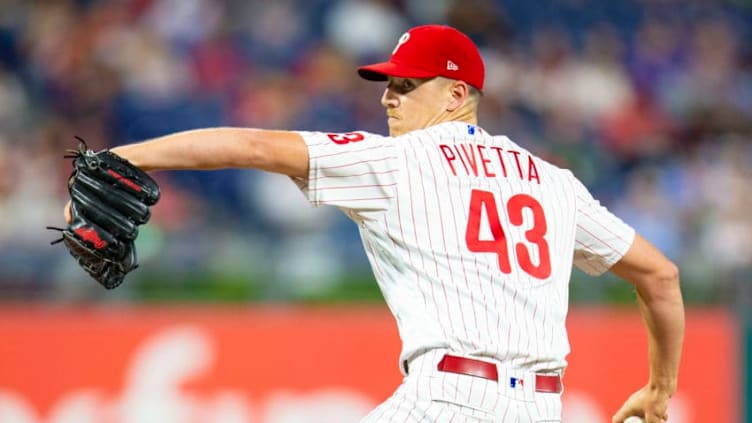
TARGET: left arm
(218,148)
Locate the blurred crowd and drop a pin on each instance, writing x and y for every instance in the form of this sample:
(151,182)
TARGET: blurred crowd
(649,102)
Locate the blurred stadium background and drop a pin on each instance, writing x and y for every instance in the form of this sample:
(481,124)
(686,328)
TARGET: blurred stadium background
(649,102)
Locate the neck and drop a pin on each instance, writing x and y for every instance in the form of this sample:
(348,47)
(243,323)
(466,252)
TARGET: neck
(465,113)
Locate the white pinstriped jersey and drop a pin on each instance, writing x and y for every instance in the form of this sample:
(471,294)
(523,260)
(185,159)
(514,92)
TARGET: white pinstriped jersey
(471,237)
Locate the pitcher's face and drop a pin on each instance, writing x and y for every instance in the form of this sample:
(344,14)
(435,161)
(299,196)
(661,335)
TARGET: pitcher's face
(413,103)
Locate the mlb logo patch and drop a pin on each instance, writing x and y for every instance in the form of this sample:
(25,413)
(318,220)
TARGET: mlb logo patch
(515,382)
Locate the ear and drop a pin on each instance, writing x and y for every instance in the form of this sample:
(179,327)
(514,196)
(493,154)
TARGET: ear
(459,92)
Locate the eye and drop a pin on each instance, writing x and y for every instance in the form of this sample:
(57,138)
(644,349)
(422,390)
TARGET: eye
(403,86)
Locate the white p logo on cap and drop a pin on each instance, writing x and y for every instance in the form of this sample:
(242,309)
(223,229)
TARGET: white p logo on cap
(402,40)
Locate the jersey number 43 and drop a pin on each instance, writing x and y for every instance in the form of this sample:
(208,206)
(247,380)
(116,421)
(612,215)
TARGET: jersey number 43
(484,200)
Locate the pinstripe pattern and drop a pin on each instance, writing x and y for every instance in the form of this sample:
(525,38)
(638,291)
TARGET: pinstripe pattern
(410,197)
(428,395)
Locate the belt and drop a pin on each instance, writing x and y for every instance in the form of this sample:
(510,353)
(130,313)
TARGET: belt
(486,370)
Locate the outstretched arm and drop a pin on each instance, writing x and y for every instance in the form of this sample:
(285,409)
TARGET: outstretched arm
(656,280)
(218,148)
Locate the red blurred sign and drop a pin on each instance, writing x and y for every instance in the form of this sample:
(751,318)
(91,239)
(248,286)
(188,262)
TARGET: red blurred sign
(232,365)
(609,361)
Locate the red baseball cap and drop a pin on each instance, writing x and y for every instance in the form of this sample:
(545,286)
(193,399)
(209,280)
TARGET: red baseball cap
(431,50)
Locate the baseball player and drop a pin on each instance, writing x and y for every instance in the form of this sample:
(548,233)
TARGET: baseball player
(471,239)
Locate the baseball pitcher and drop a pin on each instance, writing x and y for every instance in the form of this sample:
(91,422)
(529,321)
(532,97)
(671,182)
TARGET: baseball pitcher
(471,239)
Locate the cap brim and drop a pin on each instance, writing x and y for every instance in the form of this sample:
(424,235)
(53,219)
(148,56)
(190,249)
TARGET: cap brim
(381,71)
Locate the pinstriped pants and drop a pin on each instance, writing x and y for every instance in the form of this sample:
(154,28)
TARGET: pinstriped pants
(428,395)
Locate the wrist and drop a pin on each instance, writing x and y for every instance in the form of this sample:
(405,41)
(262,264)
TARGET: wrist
(123,152)
(665,387)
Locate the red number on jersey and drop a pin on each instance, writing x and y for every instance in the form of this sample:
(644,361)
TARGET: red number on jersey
(535,235)
(347,137)
(484,200)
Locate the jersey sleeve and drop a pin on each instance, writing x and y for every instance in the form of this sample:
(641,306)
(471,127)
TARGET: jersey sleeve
(354,170)
(601,238)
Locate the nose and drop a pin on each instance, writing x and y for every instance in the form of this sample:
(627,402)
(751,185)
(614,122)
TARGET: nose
(389,99)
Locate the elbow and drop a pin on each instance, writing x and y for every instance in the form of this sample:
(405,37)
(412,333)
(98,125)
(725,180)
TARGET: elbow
(662,284)
(668,274)
(254,152)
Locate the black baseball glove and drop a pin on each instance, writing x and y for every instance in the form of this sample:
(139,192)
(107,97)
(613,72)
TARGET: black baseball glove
(110,198)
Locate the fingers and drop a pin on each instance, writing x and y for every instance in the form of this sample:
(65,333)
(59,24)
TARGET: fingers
(656,419)
(649,404)
(633,416)
(653,416)
(622,414)
(620,418)
(67,213)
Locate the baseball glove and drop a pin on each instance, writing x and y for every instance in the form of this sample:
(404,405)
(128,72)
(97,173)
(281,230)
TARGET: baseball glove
(110,198)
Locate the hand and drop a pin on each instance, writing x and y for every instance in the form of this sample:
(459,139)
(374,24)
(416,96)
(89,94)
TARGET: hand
(649,403)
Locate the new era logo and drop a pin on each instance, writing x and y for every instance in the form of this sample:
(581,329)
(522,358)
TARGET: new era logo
(452,66)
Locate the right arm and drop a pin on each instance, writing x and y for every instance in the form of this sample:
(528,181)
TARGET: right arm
(605,242)
(656,280)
